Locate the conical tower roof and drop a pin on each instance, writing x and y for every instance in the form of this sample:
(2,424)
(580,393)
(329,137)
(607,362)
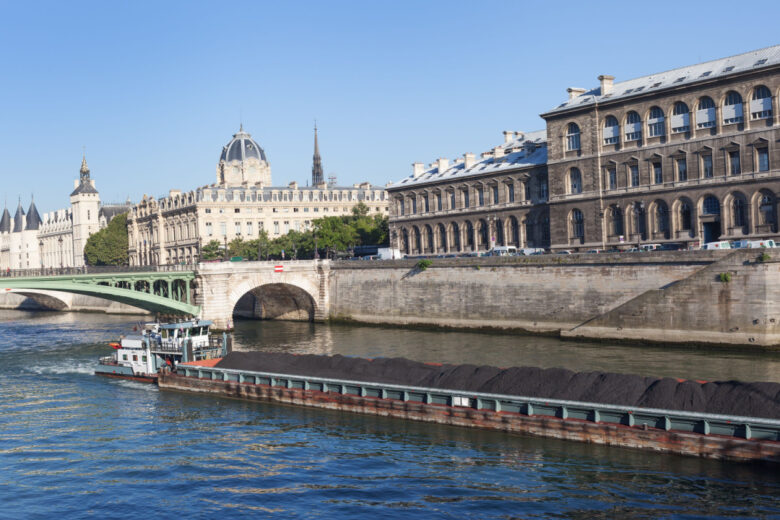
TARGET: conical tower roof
(5,221)
(19,218)
(33,218)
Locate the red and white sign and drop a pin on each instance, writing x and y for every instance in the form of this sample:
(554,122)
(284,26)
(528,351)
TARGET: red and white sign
(278,268)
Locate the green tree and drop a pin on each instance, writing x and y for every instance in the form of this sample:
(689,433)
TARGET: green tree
(109,245)
(211,251)
(336,233)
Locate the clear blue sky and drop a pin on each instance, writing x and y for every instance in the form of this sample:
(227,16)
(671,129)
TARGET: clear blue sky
(155,89)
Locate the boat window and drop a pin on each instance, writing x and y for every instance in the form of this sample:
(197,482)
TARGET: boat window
(124,357)
(135,358)
(143,358)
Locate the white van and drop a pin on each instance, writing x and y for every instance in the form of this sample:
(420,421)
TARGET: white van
(760,243)
(503,251)
(527,251)
(721,244)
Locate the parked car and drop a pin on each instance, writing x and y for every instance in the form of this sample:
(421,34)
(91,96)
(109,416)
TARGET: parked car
(671,246)
(502,251)
(564,252)
(650,247)
(527,251)
(594,251)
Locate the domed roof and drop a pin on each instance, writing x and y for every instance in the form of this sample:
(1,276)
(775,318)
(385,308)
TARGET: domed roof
(242,147)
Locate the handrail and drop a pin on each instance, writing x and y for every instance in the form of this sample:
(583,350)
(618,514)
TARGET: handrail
(103,269)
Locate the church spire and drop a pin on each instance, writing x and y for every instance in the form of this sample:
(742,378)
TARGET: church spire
(84,171)
(317,176)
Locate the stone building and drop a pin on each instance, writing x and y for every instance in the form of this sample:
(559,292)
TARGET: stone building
(689,155)
(28,241)
(173,228)
(474,204)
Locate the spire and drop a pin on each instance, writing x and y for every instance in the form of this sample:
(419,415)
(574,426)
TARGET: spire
(33,217)
(84,171)
(316,169)
(5,220)
(85,183)
(19,218)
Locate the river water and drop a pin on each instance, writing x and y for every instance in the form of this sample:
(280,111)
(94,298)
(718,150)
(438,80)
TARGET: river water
(76,445)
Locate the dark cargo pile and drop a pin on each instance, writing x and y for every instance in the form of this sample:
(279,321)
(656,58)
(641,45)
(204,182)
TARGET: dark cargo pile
(726,397)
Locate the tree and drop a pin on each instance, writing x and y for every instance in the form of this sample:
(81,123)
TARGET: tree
(336,233)
(109,245)
(211,251)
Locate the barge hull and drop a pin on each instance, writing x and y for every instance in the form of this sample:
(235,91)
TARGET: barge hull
(619,435)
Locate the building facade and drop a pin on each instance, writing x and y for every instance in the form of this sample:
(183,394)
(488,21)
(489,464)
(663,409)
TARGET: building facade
(474,204)
(687,156)
(28,241)
(241,204)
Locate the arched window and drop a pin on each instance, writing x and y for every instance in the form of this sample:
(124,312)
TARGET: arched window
(575,181)
(639,219)
(739,212)
(732,108)
(442,238)
(573,137)
(456,236)
(711,206)
(705,115)
(655,123)
(611,132)
(633,127)
(681,121)
(617,221)
(685,216)
(761,103)
(767,209)
(661,218)
(577,224)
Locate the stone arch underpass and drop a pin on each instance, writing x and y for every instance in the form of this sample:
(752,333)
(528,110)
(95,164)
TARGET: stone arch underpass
(276,301)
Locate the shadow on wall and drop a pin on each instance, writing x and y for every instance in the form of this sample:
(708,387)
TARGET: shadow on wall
(276,301)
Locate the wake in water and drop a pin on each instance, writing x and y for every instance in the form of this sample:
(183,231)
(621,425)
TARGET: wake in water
(68,366)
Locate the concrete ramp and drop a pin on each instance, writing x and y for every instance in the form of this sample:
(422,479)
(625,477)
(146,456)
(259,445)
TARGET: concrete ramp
(739,307)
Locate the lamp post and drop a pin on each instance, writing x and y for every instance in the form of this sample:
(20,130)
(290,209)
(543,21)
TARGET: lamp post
(259,249)
(225,257)
(61,254)
(316,249)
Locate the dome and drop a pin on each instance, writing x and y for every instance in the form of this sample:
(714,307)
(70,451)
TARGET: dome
(242,147)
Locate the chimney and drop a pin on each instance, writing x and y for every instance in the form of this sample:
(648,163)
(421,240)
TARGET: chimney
(468,160)
(519,135)
(574,92)
(442,164)
(606,83)
(509,136)
(498,152)
(417,169)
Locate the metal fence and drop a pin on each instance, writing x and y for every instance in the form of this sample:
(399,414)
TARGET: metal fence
(102,269)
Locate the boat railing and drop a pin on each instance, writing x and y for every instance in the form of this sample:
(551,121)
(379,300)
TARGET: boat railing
(107,360)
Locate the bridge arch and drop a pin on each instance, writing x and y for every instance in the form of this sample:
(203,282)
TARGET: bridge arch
(273,300)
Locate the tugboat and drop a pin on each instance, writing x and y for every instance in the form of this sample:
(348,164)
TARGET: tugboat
(162,346)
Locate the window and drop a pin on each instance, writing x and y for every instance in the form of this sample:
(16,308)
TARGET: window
(662,218)
(578,225)
(685,216)
(276,227)
(734,166)
(572,137)
(209,229)
(248,228)
(658,174)
(208,210)
(238,228)
(612,174)
(438,202)
(260,226)
(611,131)
(763,159)
(633,127)
(223,228)
(732,108)
(495,194)
(682,169)
(414,205)
(575,181)
(767,209)
(452,199)
(633,170)
(706,166)
(510,192)
(425,203)
(761,104)
(543,188)
(711,206)
(681,121)
(466,198)
(527,190)
(481,196)
(705,115)
(401,207)
(738,209)
(655,124)
(617,221)
(237,210)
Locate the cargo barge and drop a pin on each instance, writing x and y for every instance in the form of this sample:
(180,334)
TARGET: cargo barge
(716,436)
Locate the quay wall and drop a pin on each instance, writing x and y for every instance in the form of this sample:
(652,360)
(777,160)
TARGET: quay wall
(64,302)
(661,296)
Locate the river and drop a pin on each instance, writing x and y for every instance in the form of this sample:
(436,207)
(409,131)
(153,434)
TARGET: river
(76,445)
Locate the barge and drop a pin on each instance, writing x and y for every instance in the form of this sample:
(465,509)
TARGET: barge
(161,345)
(709,435)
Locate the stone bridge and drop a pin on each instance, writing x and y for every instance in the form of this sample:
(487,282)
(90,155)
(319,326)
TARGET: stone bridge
(291,290)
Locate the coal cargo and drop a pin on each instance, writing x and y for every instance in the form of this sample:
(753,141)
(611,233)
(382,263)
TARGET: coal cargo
(724,397)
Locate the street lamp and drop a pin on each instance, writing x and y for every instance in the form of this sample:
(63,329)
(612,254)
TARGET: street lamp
(225,257)
(316,249)
(61,254)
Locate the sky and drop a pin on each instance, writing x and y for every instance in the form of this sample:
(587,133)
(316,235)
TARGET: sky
(153,90)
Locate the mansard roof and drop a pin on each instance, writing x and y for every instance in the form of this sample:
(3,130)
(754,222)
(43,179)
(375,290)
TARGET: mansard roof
(682,76)
(525,150)
(84,187)
(5,222)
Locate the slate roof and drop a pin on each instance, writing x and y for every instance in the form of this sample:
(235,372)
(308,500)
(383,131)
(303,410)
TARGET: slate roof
(691,74)
(19,219)
(242,147)
(84,187)
(5,222)
(33,218)
(518,154)
(112,210)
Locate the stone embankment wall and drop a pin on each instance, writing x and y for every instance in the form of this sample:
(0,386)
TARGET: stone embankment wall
(77,302)
(661,296)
